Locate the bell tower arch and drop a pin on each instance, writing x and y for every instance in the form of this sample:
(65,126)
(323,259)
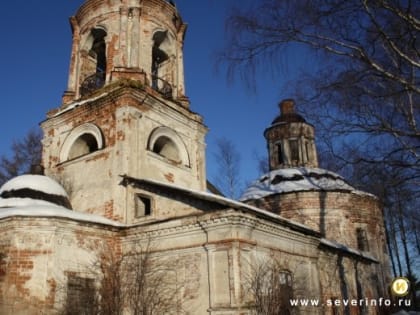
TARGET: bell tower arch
(141,40)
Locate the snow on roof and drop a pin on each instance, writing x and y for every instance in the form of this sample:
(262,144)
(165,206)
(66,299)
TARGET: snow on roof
(297,179)
(79,103)
(41,183)
(24,202)
(237,205)
(346,249)
(54,211)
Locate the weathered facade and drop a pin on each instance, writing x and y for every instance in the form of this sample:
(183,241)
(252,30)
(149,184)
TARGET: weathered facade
(130,155)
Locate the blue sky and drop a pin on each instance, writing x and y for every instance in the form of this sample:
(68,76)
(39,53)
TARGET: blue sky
(34,58)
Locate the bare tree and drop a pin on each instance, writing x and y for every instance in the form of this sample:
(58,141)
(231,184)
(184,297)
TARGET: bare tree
(24,154)
(271,283)
(400,202)
(362,94)
(364,91)
(151,284)
(228,161)
(262,162)
(136,283)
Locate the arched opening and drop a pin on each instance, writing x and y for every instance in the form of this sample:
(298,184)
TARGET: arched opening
(94,65)
(167,143)
(160,60)
(83,145)
(165,147)
(98,50)
(82,140)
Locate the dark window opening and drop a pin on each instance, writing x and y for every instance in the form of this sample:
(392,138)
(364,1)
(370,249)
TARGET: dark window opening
(98,50)
(294,150)
(286,291)
(80,296)
(143,206)
(159,56)
(95,65)
(83,145)
(280,159)
(2,265)
(362,241)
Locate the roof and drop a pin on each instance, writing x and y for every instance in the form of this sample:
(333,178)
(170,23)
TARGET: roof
(35,182)
(233,204)
(27,207)
(28,190)
(288,118)
(347,250)
(237,205)
(52,211)
(297,179)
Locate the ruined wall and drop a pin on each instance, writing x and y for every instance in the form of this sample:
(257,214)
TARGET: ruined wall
(345,279)
(39,255)
(208,259)
(337,215)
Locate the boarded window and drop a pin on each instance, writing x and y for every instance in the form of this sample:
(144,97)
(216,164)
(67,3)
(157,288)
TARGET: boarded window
(80,296)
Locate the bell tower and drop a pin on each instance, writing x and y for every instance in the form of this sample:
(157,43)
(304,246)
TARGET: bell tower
(124,111)
(130,39)
(290,139)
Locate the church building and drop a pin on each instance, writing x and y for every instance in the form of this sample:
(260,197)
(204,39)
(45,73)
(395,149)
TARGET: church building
(125,173)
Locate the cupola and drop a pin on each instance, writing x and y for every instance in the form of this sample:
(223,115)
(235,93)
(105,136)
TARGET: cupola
(290,139)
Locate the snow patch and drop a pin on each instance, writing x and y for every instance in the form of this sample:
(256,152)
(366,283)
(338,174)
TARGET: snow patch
(76,104)
(347,249)
(297,179)
(43,210)
(41,183)
(24,202)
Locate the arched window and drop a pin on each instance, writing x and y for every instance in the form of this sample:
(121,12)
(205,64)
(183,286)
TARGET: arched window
(160,63)
(294,150)
(168,144)
(94,63)
(85,144)
(165,147)
(272,289)
(286,291)
(82,140)
(362,240)
(98,50)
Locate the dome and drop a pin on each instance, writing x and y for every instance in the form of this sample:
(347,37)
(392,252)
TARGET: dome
(27,190)
(288,113)
(296,180)
(288,118)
